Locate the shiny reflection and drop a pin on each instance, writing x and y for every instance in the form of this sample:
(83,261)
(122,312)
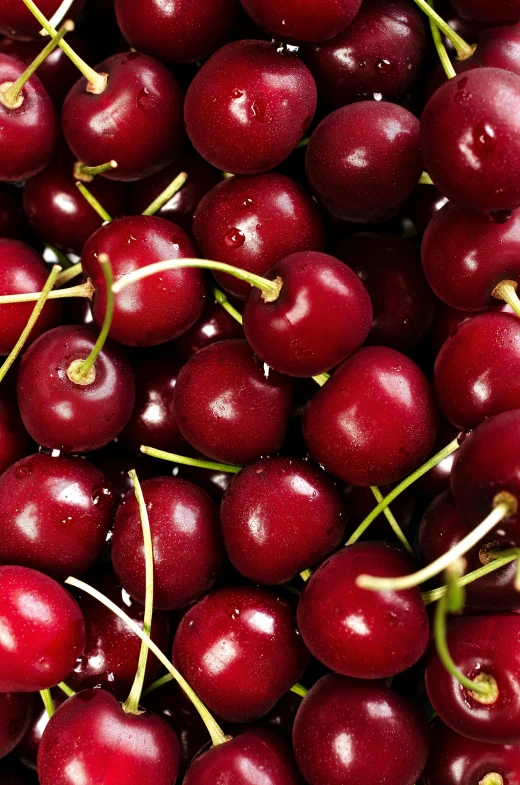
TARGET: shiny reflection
(220,655)
(7,639)
(343,747)
(355,623)
(27,522)
(262,622)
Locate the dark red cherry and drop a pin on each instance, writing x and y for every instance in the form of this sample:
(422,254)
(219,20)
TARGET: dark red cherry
(15,715)
(249,106)
(62,415)
(57,210)
(368,635)
(469,139)
(280,516)
(56,513)
(230,406)
(294,20)
(214,324)
(112,650)
(43,631)
(91,736)
(147,100)
(363,160)
(425,202)
(12,218)
(374,421)
(322,314)
(159,308)
(240,651)
(258,757)
(479,645)
(360,501)
(349,731)
(16,21)
(15,442)
(22,271)
(253,222)
(499,47)
(179,32)
(390,268)
(377,56)
(481,10)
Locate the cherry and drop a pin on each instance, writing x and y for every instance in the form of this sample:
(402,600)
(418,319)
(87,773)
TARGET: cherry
(91,736)
(377,56)
(15,442)
(186,540)
(501,11)
(147,101)
(374,421)
(60,413)
(249,106)
(293,20)
(390,268)
(349,731)
(22,271)
(258,755)
(425,202)
(240,651)
(15,716)
(480,646)
(253,222)
(12,218)
(229,407)
(363,160)
(16,21)
(469,129)
(155,310)
(179,32)
(43,631)
(214,324)
(280,516)
(499,47)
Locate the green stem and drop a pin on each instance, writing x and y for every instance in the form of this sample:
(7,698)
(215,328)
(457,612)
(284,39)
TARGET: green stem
(392,521)
(506,290)
(158,683)
(167,194)
(68,274)
(81,290)
(463,49)
(61,258)
(67,690)
(93,202)
(435,594)
(47,702)
(425,179)
(86,174)
(321,378)
(300,690)
(441,49)
(303,142)
(221,298)
(173,458)
(58,15)
(305,574)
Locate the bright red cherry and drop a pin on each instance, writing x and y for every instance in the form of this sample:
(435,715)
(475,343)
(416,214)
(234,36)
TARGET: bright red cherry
(349,731)
(253,222)
(16,710)
(249,106)
(15,442)
(240,651)
(294,20)
(12,218)
(481,10)
(214,324)
(16,21)
(374,421)
(43,631)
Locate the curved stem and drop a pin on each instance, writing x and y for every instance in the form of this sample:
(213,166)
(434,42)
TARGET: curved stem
(167,194)
(440,456)
(58,15)
(158,683)
(506,290)
(221,298)
(170,456)
(93,202)
(392,521)
(81,290)
(463,49)
(47,702)
(131,705)
(67,690)
(83,370)
(68,274)
(299,689)
(31,322)
(441,49)
(215,731)
(435,594)
(86,174)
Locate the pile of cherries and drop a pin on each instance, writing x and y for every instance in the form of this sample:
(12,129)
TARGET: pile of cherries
(260,392)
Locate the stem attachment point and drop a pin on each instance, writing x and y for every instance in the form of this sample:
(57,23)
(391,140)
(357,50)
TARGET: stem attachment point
(506,290)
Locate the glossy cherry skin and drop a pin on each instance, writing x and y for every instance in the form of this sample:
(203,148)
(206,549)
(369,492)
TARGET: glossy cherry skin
(402,301)
(147,101)
(240,651)
(480,10)
(229,407)
(112,650)
(249,106)
(92,739)
(15,442)
(425,201)
(15,716)
(377,56)
(293,20)
(186,540)
(349,731)
(322,314)
(363,160)
(253,222)
(62,415)
(156,309)
(280,516)
(43,631)
(56,513)
(374,421)
(22,271)
(214,324)
(12,218)
(16,21)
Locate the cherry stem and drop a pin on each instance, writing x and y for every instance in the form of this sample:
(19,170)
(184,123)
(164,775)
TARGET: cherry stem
(440,456)
(58,15)
(392,521)
(96,82)
(221,298)
(173,458)
(86,174)
(299,689)
(506,290)
(214,730)
(425,179)
(305,574)
(493,778)
(500,561)
(321,378)
(93,202)
(303,142)
(463,49)
(67,690)
(12,97)
(167,194)
(31,322)
(441,50)
(81,290)
(158,683)
(61,257)
(47,702)
(80,373)
(68,274)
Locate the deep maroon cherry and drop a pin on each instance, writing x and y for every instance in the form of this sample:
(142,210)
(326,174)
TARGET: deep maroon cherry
(294,20)
(186,540)
(229,406)
(280,516)
(92,739)
(240,651)
(390,268)
(349,731)
(425,202)
(481,10)
(16,21)
(159,308)
(12,218)
(22,271)
(43,631)
(15,716)
(359,502)
(374,421)
(147,101)
(499,47)
(63,415)
(214,324)
(249,106)
(253,222)
(15,442)
(363,160)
